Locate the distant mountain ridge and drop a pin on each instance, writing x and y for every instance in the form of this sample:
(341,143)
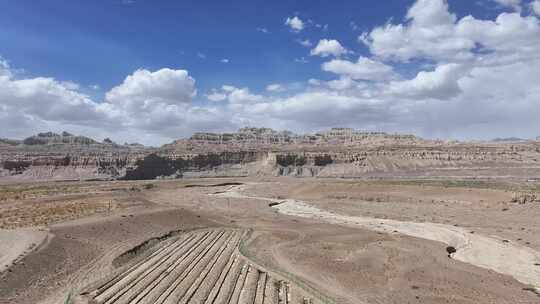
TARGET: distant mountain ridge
(251,136)
(254,139)
(64,138)
(50,138)
(498,139)
(9,142)
(338,152)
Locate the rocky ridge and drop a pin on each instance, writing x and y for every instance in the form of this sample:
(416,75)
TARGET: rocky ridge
(51,156)
(339,152)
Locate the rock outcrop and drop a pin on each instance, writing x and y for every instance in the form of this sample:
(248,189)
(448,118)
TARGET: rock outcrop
(339,152)
(51,156)
(50,138)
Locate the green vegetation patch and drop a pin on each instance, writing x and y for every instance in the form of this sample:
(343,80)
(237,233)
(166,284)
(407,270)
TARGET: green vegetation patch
(18,192)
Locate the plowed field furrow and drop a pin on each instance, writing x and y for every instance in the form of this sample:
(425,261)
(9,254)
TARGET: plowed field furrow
(181,275)
(199,267)
(129,269)
(283,293)
(261,288)
(271,291)
(166,260)
(197,271)
(221,283)
(152,291)
(235,296)
(213,280)
(230,282)
(247,295)
(146,282)
(137,272)
(198,291)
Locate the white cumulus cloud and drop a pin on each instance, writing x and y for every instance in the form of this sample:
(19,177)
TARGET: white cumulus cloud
(442,83)
(305,42)
(433,74)
(153,106)
(429,33)
(363,69)
(514,4)
(296,24)
(434,33)
(535,7)
(144,88)
(275,87)
(327,47)
(216,96)
(263,30)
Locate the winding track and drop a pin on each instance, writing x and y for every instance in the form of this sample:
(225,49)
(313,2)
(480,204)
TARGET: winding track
(202,266)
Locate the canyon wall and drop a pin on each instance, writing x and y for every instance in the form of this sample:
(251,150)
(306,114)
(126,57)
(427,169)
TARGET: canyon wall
(263,152)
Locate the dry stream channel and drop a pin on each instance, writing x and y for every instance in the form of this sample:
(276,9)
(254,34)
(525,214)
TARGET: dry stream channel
(479,250)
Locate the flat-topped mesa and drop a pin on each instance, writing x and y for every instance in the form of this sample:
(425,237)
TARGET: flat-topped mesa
(265,139)
(245,135)
(50,138)
(353,137)
(338,152)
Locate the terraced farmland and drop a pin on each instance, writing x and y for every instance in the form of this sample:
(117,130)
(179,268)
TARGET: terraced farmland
(198,267)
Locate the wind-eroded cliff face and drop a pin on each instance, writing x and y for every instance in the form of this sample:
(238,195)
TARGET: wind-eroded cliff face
(51,156)
(353,155)
(460,161)
(216,164)
(443,161)
(64,165)
(431,161)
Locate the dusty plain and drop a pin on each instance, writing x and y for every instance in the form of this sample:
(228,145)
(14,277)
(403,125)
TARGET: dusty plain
(91,230)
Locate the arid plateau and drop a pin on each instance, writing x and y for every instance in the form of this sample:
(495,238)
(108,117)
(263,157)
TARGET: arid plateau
(260,216)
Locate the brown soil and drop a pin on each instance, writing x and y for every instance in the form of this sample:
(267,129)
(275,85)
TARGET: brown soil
(348,264)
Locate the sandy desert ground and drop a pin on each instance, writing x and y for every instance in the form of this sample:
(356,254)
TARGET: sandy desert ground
(271,240)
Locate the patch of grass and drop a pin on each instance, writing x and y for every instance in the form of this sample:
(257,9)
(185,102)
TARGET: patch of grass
(47,213)
(465,183)
(17,192)
(68,299)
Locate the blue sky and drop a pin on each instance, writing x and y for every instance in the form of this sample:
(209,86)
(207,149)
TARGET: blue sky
(100,42)
(397,66)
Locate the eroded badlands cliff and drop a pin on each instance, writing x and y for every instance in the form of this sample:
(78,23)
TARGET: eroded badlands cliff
(339,152)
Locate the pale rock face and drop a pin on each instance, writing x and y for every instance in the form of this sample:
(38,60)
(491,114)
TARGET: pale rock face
(338,152)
